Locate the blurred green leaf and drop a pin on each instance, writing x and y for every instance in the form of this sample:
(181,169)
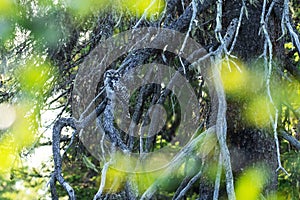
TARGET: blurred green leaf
(88,163)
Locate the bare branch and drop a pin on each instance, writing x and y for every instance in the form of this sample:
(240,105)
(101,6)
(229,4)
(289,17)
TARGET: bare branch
(103,179)
(56,176)
(221,128)
(194,6)
(190,184)
(205,140)
(268,55)
(292,140)
(218,178)
(286,23)
(243,9)
(144,14)
(219,18)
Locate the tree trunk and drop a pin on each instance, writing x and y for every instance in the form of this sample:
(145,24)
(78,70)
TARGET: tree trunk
(249,145)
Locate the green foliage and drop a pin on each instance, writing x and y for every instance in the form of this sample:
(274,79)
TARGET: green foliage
(23,183)
(289,185)
(76,171)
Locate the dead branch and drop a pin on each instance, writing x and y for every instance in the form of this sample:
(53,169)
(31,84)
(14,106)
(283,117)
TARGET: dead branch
(292,140)
(206,141)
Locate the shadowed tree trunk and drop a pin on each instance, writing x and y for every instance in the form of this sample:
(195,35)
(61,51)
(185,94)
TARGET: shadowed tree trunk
(250,145)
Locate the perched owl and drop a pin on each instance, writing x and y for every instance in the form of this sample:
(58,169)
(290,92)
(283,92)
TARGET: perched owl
(111,79)
(118,94)
(115,86)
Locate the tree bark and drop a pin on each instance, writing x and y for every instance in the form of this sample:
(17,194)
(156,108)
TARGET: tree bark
(249,145)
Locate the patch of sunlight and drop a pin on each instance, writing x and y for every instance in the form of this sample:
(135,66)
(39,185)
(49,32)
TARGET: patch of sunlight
(151,8)
(138,8)
(19,136)
(7,115)
(235,77)
(250,185)
(22,129)
(22,192)
(116,179)
(8,156)
(290,46)
(258,111)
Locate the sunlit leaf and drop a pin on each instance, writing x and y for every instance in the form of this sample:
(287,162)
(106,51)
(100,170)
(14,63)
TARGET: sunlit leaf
(23,129)
(89,163)
(7,156)
(150,8)
(289,45)
(19,136)
(296,56)
(250,185)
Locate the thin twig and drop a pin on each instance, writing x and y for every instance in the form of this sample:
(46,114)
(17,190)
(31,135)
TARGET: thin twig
(286,23)
(187,35)
(206,140)
(103,180)
(292,140)
(190,184)
(218,179)
(268,54)
(243,8)
(144,14)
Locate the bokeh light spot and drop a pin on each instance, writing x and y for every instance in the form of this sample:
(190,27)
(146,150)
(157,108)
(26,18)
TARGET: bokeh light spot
(7,116)
(250,185)
(235,77)
(259,111)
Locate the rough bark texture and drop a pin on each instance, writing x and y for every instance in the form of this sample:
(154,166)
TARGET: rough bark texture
(250,145)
